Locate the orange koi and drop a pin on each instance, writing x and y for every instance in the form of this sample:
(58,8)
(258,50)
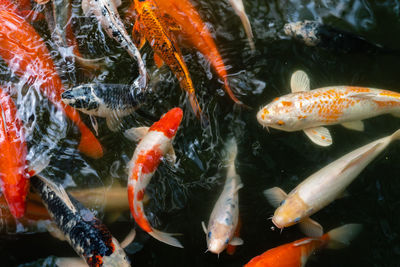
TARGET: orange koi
(156,142)
(295,254)
(150,25)
(25,52)
(13,151)
(196,32)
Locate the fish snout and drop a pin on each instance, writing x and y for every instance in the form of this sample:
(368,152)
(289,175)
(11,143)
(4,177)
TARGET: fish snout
(278,221)
(263,117)
(216,246)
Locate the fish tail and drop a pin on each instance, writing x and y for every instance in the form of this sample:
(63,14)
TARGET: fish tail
(15,196)
(340,237)
(395,135)
(89,144)
(231,95)
(247,28)
(165,238)
(231,153)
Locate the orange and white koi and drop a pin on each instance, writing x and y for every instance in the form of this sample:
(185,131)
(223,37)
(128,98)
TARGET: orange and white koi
(322,187)
(196,32)
(296,254)
(308,110)
(26,54)
(225,214)
(239,9)
(156,142)
(150,25)
(107,14)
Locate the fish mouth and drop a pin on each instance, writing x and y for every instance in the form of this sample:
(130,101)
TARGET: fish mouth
(276,223)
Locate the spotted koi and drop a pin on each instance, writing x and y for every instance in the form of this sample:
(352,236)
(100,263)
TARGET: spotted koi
(308,110)
(156,142)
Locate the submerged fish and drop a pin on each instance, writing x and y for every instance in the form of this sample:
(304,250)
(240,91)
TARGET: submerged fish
(224,217)
(322,187)
(107,14)
(87,235)
(239,9)
(314,33)
(150,25)
(295,254)
(307,110)
(26,54)
(197,34)
(13,168)
(156,142)
(110,101)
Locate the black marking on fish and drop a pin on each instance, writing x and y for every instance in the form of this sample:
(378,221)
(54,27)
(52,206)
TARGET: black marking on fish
(88,236)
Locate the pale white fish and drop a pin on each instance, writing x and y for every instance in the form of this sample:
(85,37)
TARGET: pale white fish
(239,9)
(322,187)
(310,110)
(107,14)
(225,215)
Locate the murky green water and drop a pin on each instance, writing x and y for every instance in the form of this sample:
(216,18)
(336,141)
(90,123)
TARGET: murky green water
(184,195)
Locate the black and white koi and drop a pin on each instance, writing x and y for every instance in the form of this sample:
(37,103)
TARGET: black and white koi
(88,236)
(109,101)
(107,14)
(225,215)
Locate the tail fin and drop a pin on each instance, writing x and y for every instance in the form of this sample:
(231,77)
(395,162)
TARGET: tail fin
(231,153)
(395,135)
(340,237)
(89,145)
(247,28)
(166,238)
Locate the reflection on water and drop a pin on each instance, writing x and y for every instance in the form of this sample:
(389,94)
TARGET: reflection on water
(183,195)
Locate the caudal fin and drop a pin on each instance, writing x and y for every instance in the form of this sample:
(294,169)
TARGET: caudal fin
(166,238)
(395,135)
(247,28)
(340,237)
(89,145)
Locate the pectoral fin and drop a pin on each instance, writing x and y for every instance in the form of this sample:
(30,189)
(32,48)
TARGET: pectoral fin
(299,82)
(319,135)
(203,225)
(354,125)
(311,228)
(236,241)
(170,155)
(136,133)
(94,124)
(275,196)
(113,122)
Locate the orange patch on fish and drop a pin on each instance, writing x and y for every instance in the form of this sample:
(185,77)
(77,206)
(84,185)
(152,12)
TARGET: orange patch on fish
(138,215)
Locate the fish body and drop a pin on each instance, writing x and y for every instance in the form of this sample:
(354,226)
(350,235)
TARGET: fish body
(107,14)
(26,54)
(13,168)
(110,101)
(225,214)
(155,144)
(88,236)
(151,26)
(296,254)
(308,110)
(240,11)
(323,187)
(197,34)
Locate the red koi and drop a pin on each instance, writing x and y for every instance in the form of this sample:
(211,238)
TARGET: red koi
(295,254)
(156,143)
(25,52)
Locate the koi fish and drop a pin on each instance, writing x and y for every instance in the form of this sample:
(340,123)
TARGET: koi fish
(295,254)
(107,14)
(13,151)
(239,9)
(110,101)
(231,249)
(307,110)
(87,235)
(156,142)
(314,33)
(26,54)
(196,32)
(322,187)
(151,26)
(225,215)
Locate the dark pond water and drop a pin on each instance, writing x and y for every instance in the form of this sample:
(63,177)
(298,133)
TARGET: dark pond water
(182,196)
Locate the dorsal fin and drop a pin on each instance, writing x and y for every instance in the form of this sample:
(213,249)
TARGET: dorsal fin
(299,82)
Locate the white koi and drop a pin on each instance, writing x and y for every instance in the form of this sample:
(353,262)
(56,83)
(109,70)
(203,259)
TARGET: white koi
(225,215)
(308,110)
(240,11)
(322,187)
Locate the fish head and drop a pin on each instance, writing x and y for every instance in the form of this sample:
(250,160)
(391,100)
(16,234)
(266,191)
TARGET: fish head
(291,211)
(218,237)
(81,97)
(304,31)
(279,115)
(117,258)
(169,122)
